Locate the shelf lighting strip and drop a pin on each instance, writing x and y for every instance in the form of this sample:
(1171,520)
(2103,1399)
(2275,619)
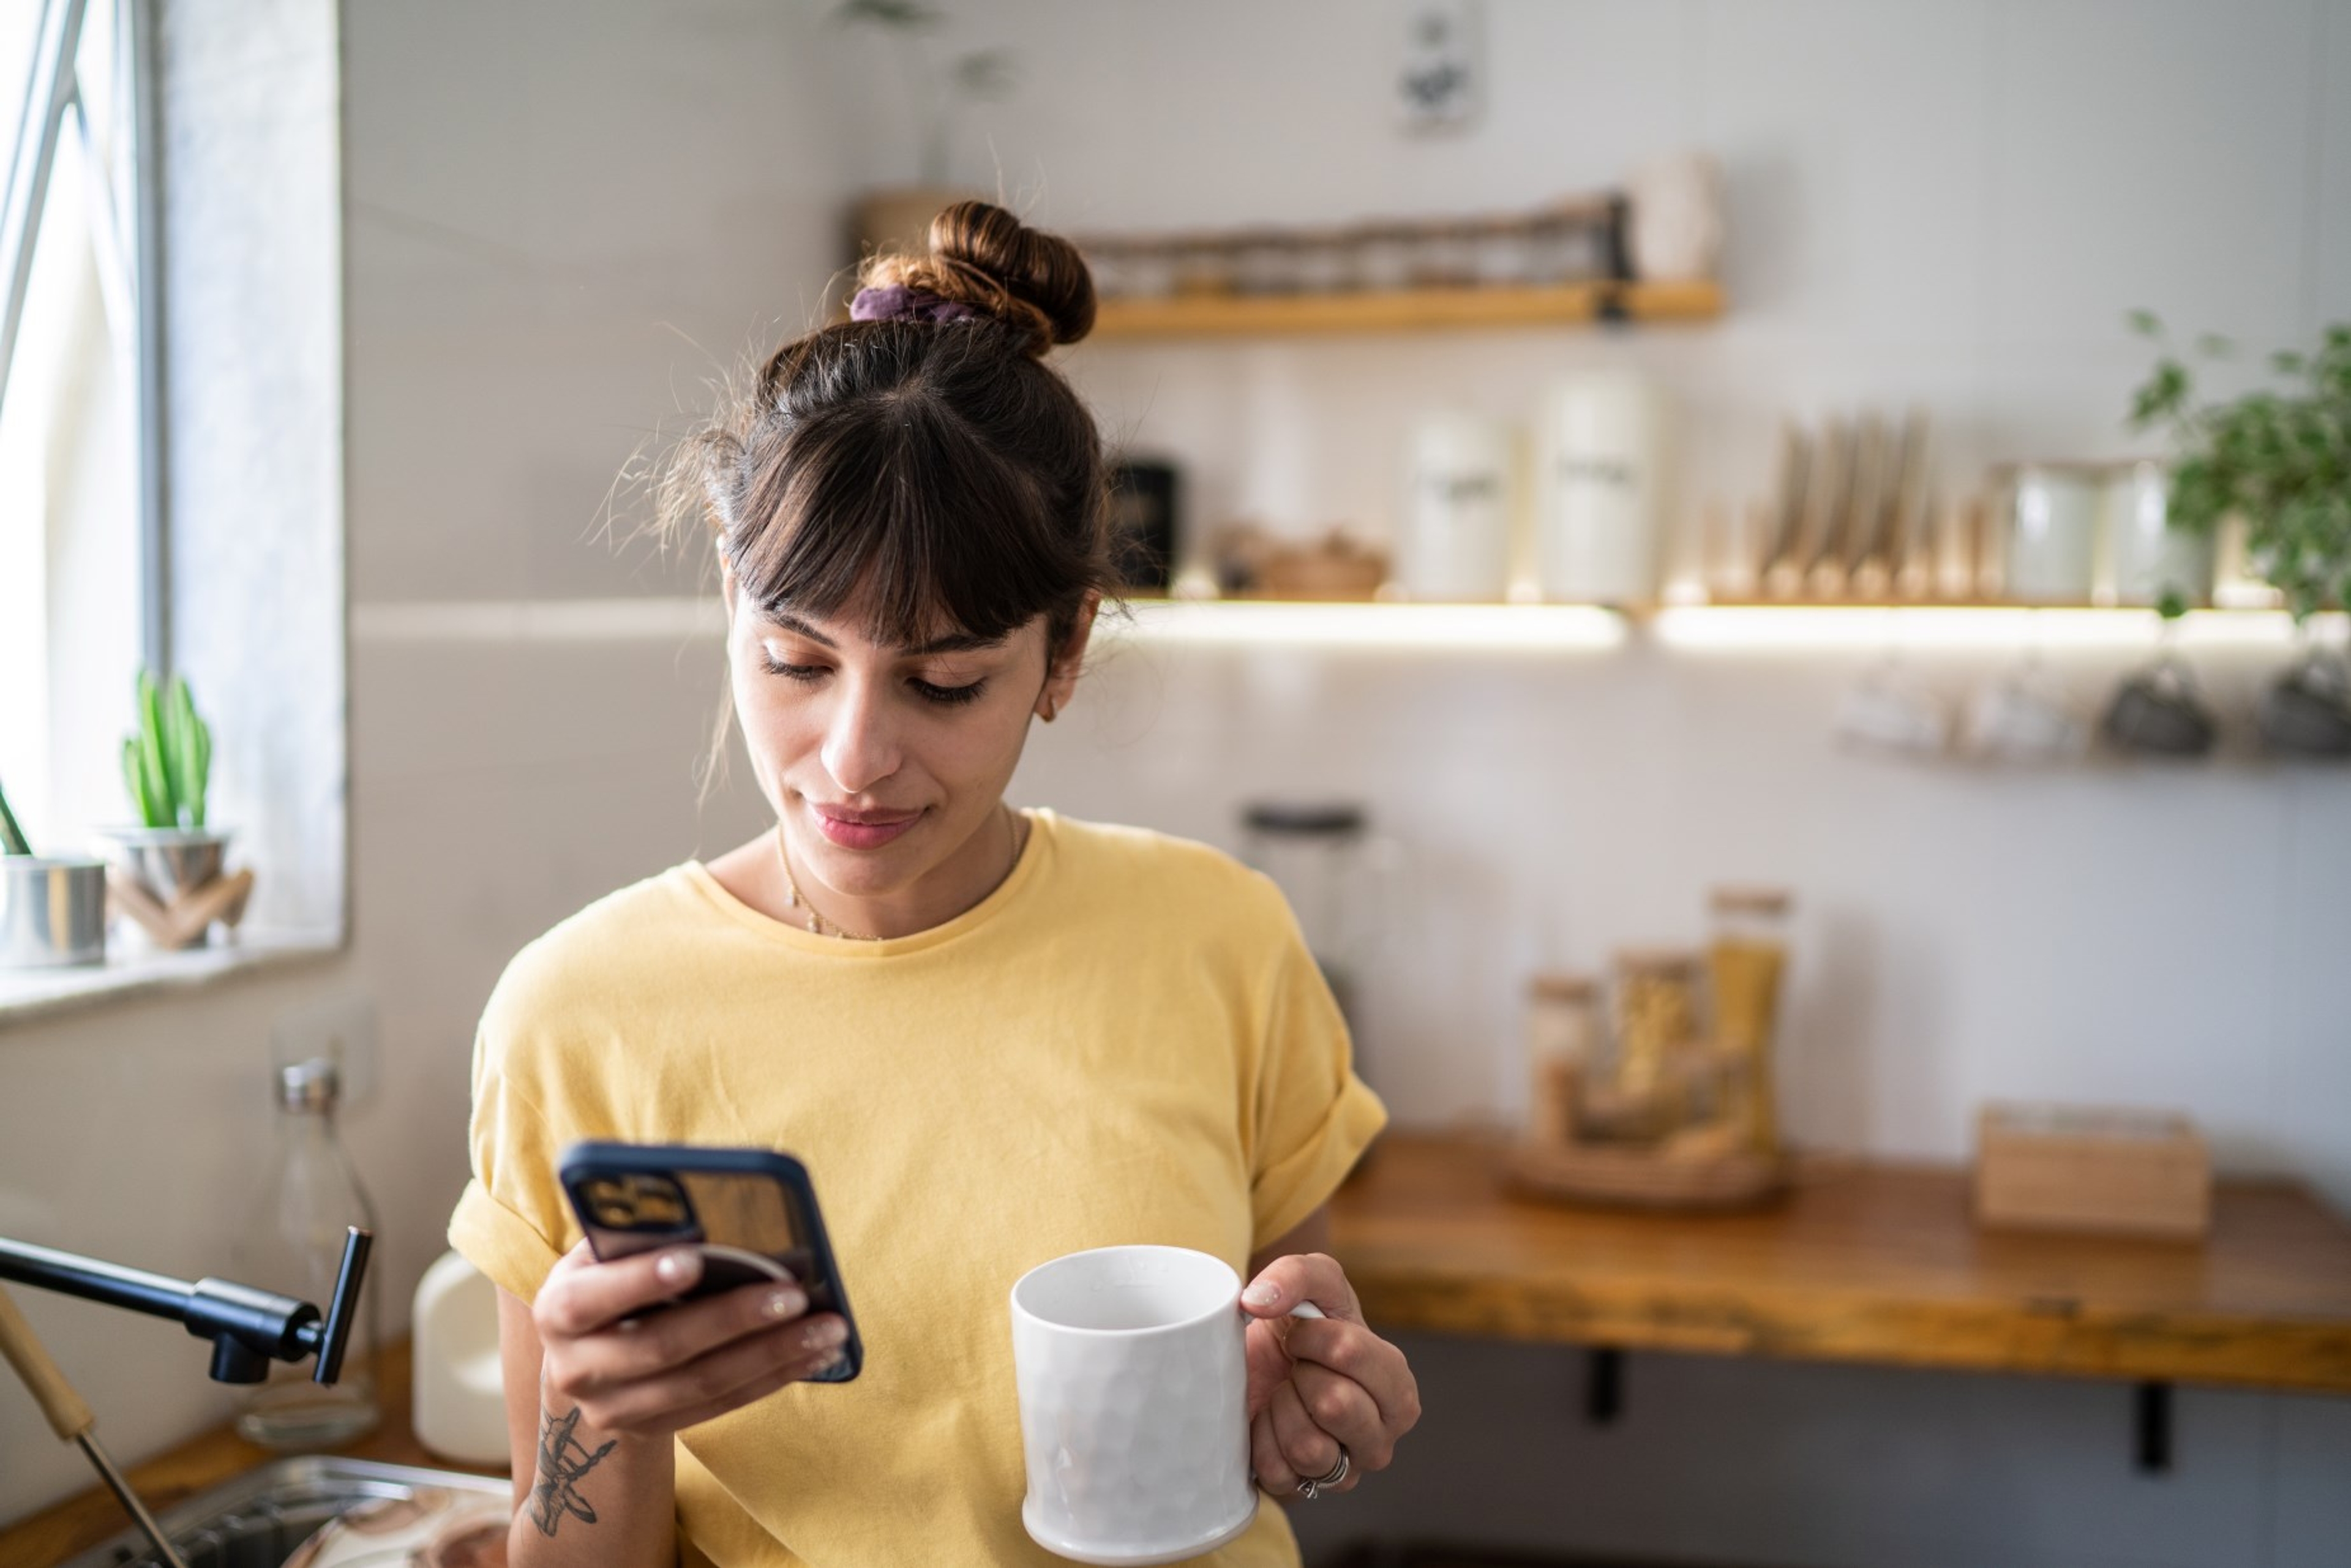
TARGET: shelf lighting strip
(1731,628)
(1372,627)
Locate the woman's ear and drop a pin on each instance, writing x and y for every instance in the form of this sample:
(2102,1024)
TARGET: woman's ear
(1065,663)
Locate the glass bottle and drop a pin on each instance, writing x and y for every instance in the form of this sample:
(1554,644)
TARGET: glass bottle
(1745,963)
(294,1244)
(1562,1032)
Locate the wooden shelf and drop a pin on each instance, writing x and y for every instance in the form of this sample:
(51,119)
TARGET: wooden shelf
(1862,1262)
(1404,310)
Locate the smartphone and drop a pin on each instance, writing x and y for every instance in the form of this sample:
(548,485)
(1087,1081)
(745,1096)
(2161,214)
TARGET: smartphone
(752,1212)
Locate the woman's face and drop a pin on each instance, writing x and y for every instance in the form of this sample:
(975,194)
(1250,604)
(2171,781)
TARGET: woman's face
(886,765)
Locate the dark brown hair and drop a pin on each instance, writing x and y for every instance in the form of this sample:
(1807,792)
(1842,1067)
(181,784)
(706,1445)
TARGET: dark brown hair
(936,475)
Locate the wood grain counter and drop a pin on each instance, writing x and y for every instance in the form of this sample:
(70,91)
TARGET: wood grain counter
(1862,1262)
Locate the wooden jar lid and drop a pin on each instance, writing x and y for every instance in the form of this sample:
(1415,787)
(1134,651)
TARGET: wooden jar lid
(1557,988)
(1750,900)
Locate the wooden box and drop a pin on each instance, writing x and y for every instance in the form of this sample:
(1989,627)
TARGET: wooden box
(2052,1167)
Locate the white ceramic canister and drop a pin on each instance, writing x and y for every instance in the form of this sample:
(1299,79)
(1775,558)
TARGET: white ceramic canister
(1458,503)
(458,1395)
(2050,531)
(1602,451)
(2141,557)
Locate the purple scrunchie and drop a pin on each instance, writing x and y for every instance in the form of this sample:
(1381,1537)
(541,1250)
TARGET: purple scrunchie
(897,302)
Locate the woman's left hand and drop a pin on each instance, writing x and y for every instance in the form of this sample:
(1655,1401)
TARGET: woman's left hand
(1317,1382)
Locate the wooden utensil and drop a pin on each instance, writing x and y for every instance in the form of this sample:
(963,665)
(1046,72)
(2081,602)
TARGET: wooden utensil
(1825,489)
(70,1416)
(1863,554)
(1910,543)
(1782,570)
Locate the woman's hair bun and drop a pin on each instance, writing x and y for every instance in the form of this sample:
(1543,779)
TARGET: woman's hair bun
(983,257)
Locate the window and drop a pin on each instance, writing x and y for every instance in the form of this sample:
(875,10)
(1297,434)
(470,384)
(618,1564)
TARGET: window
(81,558)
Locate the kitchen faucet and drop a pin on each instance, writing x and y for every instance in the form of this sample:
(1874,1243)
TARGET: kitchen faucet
(248,1327)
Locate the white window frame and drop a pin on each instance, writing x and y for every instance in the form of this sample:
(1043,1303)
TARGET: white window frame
(129,263)
(296,803)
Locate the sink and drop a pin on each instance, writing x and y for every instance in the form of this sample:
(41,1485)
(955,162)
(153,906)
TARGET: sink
(257,1520)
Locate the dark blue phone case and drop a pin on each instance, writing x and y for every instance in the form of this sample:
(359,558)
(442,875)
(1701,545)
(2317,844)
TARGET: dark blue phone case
(637,1198)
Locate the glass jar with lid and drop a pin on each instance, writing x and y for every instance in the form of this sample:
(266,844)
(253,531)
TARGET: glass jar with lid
(1323,856)
(1655,1012)
(1746,962)
(1563,1037)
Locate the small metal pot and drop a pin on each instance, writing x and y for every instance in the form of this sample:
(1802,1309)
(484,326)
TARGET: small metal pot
(2157,713)
(52,912)
(2307,713)
(169,861)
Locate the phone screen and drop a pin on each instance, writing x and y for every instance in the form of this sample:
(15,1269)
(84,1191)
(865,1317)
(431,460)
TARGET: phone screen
(732,1213)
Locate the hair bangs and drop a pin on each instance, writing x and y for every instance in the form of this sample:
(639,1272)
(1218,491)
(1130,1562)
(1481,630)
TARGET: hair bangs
(887,511)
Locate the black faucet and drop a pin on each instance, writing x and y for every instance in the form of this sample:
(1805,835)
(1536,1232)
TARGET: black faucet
(249,1327)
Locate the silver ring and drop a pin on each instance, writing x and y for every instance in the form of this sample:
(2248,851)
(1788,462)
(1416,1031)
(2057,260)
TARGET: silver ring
(1310,1489)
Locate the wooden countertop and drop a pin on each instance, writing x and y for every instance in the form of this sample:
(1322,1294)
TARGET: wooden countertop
(83,1521)
(1861,1262)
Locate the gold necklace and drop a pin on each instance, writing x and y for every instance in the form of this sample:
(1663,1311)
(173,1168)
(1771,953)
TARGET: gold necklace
(794,898)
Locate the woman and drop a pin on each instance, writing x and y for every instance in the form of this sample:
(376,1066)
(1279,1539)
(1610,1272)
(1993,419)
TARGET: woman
(994,1035)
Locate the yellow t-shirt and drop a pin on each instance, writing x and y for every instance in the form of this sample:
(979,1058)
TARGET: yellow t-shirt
(1126,1041)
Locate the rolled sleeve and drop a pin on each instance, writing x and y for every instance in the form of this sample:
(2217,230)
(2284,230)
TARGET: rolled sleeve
(512,1221)
(1314,1116)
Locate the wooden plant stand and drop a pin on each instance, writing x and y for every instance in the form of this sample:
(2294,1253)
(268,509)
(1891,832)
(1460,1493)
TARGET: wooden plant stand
(182,921)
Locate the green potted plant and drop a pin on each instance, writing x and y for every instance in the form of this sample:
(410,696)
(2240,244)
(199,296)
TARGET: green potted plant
(12,837)
(2279,458)
(897,219)
(172,851)
(52,912)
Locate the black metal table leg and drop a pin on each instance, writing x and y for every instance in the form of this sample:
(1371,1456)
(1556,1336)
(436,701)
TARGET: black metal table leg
(2154,1405)
(1603,1386)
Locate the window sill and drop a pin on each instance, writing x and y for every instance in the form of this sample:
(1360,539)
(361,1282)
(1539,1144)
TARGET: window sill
(31,994)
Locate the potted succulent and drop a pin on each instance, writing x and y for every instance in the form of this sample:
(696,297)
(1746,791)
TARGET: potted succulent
(2278,457)
(52,912)
(897,219)
(170,852)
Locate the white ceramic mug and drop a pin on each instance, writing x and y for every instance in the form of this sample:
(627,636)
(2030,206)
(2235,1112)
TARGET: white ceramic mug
(1133,1384)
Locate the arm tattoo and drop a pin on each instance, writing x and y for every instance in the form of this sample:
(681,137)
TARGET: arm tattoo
(563,1459)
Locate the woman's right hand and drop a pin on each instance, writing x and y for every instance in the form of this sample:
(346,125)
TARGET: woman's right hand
(656,1373)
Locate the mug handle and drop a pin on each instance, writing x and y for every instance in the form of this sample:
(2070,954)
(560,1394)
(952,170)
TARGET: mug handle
(1302,1309)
